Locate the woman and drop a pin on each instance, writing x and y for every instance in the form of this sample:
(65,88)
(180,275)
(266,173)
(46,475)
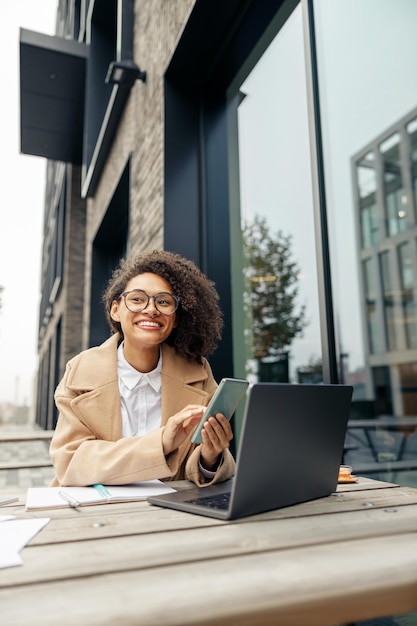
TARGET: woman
(128,408)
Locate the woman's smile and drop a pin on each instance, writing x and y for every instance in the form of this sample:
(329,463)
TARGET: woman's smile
(150,324)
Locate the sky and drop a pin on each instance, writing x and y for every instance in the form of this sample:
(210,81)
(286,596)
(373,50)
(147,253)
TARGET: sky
(21,211)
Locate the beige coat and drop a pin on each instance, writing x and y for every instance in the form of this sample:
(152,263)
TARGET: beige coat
(88,447)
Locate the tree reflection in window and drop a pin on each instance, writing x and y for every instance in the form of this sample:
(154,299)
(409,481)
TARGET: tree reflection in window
(273,317)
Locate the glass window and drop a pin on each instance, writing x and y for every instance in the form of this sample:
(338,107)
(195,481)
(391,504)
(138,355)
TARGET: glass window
(366,55)
(395,199)
(407,294)
(366,183)
(388,300)
(280,300)
(412,133)
(375,338)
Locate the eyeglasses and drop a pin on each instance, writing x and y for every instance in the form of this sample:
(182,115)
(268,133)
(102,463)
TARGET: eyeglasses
(137,301)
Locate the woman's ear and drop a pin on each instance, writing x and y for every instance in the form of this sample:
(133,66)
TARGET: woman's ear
(114,311)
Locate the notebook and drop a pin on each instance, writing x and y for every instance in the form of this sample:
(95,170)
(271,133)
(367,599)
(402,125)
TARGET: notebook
(290,450)
(62,497)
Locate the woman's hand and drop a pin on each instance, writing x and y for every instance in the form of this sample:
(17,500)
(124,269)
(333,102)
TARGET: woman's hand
(180,425)
(216,437)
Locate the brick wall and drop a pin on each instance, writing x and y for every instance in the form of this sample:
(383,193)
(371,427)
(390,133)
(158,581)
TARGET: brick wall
(138,140)
(158,24)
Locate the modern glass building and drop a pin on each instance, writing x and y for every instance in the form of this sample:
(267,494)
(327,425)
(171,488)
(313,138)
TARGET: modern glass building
(385,215)
(271,141)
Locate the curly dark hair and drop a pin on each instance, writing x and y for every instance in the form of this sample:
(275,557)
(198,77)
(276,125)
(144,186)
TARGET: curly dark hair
(199,317)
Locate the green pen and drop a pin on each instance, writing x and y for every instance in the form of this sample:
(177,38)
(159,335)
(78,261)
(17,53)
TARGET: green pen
(102,490)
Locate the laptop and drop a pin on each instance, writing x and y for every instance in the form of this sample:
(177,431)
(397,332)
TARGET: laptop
(290,449)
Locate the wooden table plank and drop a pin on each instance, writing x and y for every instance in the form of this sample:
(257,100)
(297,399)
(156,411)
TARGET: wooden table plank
(288,587)
(110,520)
(363,484)
(143,551)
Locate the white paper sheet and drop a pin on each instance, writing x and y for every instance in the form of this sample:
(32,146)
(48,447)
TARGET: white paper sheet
(9,558)
(14,535)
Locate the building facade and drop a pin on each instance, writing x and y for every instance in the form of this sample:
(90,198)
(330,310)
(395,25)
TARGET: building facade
(385,172)
(226,131)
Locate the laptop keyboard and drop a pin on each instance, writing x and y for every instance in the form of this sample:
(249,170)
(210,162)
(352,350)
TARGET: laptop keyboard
(221,501)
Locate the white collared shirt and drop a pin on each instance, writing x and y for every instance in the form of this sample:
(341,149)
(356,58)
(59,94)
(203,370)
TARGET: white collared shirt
(140,397)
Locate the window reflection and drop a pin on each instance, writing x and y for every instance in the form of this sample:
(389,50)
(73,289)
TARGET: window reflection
(273,314)
(282,338)
(369,118)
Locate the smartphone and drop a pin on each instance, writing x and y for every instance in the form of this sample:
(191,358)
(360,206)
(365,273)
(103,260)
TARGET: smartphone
(226,400)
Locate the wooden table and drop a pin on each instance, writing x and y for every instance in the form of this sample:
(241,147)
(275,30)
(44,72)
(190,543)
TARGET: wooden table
(341,559)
